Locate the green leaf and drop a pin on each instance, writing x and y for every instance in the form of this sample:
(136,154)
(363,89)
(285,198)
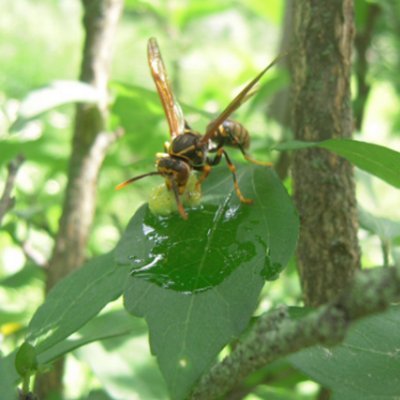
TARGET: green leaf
(12,317)
(264,392)
(124,365)
(271,10)
(195,10)
(109,325)
(23,277)
(216,262)
(386,229)
(25,360)
(8,377)
(75,300)
(373,158)
(52,96)
(40,151)
(365,366)
(139,110)
(222,234)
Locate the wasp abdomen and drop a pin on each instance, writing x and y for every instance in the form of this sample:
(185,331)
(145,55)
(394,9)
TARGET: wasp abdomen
(233,134)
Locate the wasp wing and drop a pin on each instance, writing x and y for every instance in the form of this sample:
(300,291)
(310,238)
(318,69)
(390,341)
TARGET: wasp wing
(171,107)
(243,96)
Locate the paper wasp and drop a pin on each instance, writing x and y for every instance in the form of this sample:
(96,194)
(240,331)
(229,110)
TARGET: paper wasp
(189,150)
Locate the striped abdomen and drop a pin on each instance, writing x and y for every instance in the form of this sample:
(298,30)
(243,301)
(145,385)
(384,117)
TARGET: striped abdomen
(233,134)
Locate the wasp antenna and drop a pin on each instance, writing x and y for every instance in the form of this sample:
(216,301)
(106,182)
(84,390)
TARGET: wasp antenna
(135,178)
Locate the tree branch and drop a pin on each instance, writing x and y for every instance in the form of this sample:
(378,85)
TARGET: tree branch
(328,253)
(275,335)
(7,201)
(90,144)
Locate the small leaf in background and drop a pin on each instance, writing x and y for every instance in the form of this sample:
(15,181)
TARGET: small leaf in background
(8,377)
(140,112)
(25,360)
(23,277)
(375,159)
(124,364)
(386,229)
(216,262)
(112,324)
(271,10)
(56,94)
(76,300)
(365,366)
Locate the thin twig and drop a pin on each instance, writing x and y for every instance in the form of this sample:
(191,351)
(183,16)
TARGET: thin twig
(7,201)
(276,335)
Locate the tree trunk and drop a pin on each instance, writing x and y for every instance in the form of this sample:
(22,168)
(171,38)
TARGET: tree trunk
(89,147)
(328,252)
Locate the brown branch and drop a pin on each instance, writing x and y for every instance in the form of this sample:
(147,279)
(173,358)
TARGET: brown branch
(7,201)
(32,254)
(90,144)
(324,193)
(275,335)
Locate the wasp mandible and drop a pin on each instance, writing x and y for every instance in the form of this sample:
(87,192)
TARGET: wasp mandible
(188,149)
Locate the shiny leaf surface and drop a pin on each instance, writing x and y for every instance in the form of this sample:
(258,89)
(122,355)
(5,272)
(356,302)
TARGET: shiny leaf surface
(216,262)
(219,236)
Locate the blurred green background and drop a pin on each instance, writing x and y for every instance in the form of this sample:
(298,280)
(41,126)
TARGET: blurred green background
(211,48)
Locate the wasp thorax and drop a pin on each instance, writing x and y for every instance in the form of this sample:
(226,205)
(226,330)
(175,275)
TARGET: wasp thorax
(188,147)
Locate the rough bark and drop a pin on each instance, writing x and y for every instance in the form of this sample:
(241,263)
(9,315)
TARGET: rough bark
(89,146)
(328,252)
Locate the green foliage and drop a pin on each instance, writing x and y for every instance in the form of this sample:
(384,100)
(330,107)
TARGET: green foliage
(76,300)
(365,365)
(375,159)
(52,96)
(387,229)
(372,158)
(196,283)
(219,236)
(215,263)
(25,360)
(262,236)
(123,365)
(8,377)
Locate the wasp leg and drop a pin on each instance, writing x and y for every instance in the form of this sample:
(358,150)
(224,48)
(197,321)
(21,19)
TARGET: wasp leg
(175,190)
(252,160)
(208,167)
(206,171)
(217,158)
(235,181)
(247,156)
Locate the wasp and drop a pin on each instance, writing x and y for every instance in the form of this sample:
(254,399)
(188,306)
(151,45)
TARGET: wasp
(188,150)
